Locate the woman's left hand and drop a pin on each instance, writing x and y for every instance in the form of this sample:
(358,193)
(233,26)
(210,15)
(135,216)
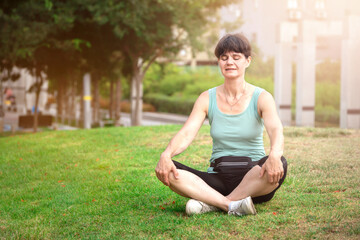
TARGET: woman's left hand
(274,168)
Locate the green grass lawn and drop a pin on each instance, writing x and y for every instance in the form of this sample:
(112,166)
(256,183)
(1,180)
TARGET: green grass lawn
(101,184)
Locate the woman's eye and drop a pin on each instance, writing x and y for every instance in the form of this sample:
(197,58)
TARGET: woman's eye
(224,58)
(237,57)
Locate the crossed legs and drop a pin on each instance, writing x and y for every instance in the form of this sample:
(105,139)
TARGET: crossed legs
(192,186)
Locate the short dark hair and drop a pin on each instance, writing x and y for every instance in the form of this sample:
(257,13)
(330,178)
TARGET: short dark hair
(233,43)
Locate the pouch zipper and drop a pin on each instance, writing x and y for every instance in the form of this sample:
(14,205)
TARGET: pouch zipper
(225,164)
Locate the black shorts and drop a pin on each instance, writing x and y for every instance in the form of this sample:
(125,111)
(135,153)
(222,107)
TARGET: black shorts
(225,183)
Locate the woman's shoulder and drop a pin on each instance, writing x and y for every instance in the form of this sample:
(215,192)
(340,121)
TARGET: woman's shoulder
(265,99)
(208,92)
(258,91)
(260,94)
(203,98)
(263,93)
(205,94)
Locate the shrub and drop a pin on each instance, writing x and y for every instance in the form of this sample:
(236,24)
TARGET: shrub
(328,71)
(327,94)
(164,103)
(263,82)
(173,83)
(203,78)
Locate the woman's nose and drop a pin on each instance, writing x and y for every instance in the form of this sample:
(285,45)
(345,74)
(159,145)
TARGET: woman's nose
(230,60)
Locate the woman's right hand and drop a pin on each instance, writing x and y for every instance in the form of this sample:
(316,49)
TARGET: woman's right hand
(164,168)
(182,139)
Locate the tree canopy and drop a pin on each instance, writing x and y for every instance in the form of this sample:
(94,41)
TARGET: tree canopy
(59,37)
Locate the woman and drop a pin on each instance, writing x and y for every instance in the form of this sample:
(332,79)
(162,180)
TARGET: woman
(239,174)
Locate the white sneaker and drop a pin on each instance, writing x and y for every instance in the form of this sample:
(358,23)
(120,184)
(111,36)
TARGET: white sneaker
(243,207)
(197,207)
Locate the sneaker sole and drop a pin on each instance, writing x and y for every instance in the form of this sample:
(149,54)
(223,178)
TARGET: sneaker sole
(193,207)
(250,203)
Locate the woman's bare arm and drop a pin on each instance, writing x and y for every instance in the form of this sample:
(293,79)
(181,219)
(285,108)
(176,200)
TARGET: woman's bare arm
(182,139)
(273,165)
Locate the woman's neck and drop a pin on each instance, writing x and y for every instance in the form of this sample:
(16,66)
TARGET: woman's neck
(235,87)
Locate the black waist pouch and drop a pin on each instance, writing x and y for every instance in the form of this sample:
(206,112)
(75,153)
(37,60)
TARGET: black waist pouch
(232,164)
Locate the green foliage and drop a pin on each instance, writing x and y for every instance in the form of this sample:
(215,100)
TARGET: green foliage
(263,82)
(172,80)
(174,83)
(100,184)
(202,79)
(260,67)
(163,103)
(327,92)
(99,37)
(174,89)
(165,78)
(328,71)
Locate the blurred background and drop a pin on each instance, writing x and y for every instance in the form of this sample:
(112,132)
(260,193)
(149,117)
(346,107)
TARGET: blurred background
(90,63)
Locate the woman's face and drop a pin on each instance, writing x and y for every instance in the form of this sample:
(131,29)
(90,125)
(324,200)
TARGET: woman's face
(233,64)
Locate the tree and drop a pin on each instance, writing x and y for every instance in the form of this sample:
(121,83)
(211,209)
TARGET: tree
(20,39)
(89,32)
(149,29)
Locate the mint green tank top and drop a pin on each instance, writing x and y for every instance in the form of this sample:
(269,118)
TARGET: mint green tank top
(236,134)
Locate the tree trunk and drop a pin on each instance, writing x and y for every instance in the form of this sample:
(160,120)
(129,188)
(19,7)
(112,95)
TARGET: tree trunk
(38,85)
(59,102)
(1,91)
(136,99)
(2,113)
(73,101)
(96,98)
(63,101)
(68,103)
(82,104)
(37,94)
(87,101)
(118,96)
(133,100)
(139,100)
(2,105)
(139,70)
(111,99)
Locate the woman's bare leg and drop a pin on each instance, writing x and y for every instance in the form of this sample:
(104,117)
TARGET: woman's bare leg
(252,185)
(192,186)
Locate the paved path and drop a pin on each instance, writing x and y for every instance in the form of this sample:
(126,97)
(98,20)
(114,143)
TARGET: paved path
(149,119)
(154,118)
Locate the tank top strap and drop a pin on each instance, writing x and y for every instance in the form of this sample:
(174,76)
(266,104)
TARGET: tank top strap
(255,99)
(212,103)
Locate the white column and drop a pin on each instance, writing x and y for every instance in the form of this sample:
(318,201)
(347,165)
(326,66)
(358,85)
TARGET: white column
(350,74)
(87,101)
(305,74)
(283,70)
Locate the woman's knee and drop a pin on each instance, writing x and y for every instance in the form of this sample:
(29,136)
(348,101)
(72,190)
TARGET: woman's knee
(179,177)
(254,172)
(183,176)
(172,177)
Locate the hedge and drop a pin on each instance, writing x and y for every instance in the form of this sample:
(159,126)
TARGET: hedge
(164,103)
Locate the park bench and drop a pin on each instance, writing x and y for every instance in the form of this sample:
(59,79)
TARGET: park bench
(27,121)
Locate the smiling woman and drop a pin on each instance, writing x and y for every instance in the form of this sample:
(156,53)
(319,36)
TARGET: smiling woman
(239,173)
